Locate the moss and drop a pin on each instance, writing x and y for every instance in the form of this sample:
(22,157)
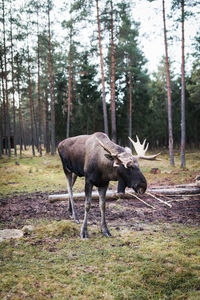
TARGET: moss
(58,229)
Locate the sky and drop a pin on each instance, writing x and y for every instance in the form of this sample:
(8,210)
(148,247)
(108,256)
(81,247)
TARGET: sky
(152,38)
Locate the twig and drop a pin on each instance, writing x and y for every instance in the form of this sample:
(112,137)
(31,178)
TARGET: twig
(182,195)
(160,200)
(141,200)
(179,200)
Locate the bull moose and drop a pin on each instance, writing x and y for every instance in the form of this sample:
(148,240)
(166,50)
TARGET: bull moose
(100,160)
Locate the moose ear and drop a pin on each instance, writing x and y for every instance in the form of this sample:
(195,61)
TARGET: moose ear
(108,156)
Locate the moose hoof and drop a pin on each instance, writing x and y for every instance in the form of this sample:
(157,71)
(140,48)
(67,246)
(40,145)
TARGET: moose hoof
(84,235)
(106,232)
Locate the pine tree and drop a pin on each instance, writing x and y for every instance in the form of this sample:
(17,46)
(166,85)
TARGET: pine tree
(170,130)
(52,101)
(7,115)
(102,72)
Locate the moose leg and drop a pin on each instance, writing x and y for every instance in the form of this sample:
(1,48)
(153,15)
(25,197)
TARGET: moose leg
(88,193)
(74,176)
(102,205)
(72,208)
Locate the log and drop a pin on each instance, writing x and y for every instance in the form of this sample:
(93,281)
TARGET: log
(176,191)
(113,195)
(81,196)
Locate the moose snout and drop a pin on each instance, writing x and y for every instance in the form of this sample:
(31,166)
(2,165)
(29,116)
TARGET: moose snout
(141,187)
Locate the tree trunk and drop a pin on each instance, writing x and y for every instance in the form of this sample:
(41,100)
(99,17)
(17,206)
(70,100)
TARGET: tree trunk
(4,103)
(39,100)
(21,127)
(69,101)
(35,125)
(47,125)
(53,144)
(13,87)
(105,117)
(44,122)
(130,105)
(113,110)
(170,131)
(31,107)
(6,87)
(1,127)
(19,112)
(183,162)
(69,85)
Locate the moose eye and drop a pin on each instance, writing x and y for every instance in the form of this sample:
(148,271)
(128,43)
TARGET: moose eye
(130,165)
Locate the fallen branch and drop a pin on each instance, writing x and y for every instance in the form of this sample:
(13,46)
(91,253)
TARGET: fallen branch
(141,200)
(182,199)
(176,191)
(81,196)
(160,200)
(171,192)
(184,195)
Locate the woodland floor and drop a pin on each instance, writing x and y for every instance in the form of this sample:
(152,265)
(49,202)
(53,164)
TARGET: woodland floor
(18,210)
(153,252)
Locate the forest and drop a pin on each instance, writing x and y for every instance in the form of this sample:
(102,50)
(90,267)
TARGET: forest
(78,67)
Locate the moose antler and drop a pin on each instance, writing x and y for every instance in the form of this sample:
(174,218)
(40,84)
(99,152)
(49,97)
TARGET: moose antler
(107,149)
(141,150)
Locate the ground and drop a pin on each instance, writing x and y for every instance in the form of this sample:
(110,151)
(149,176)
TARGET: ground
(16,211)
(153,254)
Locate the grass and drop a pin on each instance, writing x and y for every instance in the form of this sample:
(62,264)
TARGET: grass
(32,174)
(156,261)
(45,173)
(159,262)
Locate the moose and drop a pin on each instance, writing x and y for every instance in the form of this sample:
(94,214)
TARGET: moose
(100,160)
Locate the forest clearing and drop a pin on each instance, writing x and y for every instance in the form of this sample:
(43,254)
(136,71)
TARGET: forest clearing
(152,254)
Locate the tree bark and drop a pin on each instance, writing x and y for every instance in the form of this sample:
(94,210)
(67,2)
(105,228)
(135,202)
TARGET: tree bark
(4,102)
(43,105)
(113,109)
(105,117)
(69,85)
(183,162)
(170,130)
(31,107)
(130,105)
(39,99)
(20,111)
(1,127)
(47,124)
(53,144)
(13,85)
(6,86)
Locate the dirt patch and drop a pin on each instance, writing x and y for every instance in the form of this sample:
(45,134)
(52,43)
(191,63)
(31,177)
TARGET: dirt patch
(16,211)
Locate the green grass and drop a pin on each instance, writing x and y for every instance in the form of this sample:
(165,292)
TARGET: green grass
(160,262)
